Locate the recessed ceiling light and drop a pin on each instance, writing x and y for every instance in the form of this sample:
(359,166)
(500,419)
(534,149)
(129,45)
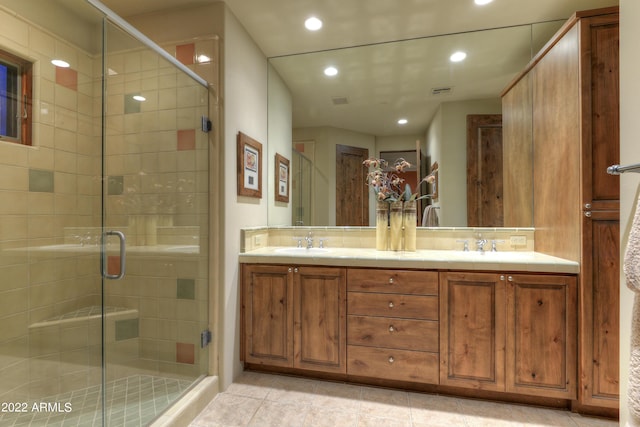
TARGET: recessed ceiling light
(482,2)
(139,98)
(313,24)
(330,71)
(60,63)
(458,56)
(403,121)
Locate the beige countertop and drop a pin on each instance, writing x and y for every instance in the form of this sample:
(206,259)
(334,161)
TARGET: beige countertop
(516,261)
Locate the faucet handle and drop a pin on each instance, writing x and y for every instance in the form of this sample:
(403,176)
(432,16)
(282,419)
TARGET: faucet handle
(321,242)
(466,244)
(299,239)
(494,247)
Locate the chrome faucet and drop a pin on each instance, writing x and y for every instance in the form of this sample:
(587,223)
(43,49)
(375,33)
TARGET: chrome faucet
(309,240)
(480,244)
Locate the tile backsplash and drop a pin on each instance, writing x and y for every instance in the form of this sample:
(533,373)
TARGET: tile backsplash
(443,238)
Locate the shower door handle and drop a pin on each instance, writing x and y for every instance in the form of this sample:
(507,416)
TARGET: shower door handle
(105,272)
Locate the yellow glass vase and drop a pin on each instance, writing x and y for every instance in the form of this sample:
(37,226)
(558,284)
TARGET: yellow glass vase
(382,226)
(395,226)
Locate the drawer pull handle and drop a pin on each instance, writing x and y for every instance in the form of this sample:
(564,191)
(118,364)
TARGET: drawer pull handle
(391,328)
(391,359)
(391,280)
(390,304)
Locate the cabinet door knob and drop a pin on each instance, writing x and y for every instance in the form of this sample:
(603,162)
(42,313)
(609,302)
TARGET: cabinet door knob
(587,214)
(391,280)
(295,270)
(290,269)
(390,304)
(502,278)
(391,328)
(391,359)
(587,205)
(510,278)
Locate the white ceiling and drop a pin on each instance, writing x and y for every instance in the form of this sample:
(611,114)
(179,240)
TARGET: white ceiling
(386,82)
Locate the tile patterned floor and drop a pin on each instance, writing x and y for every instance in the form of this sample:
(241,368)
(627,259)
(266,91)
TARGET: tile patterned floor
(264,400)
(132,401)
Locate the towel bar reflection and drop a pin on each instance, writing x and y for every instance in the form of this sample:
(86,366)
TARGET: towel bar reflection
(617,169)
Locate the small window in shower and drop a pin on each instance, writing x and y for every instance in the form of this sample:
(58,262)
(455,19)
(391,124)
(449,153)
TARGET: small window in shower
(15,99)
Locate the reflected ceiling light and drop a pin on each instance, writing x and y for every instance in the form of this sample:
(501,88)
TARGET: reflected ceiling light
(112,72)
(330,71)
(60,63)
(203,59)
(313,24)
(458,56)
(403,121)
(482,2)
(139,98)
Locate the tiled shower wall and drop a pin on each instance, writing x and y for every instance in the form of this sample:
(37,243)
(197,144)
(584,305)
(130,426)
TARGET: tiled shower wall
(157,166)
(44,189)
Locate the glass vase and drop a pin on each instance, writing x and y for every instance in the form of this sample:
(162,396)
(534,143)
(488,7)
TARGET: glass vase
(382,226)
(395,226)
(409,220)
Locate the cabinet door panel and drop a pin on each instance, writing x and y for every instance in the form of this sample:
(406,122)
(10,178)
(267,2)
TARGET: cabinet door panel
(541,338)
(472,334)
(320,319)
(268,315)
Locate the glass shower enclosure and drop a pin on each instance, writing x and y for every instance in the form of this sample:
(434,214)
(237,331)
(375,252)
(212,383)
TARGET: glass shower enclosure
(103,222)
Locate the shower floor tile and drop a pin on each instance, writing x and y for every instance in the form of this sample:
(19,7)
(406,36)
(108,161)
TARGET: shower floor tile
(131,401)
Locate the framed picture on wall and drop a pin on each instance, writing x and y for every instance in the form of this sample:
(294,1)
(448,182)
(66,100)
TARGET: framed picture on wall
(434,186)
(249,166)
(282,179)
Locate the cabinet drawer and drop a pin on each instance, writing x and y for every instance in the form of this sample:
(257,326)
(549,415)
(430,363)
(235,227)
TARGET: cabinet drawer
(394,281)
(401,365)
(393,305)
(391,332)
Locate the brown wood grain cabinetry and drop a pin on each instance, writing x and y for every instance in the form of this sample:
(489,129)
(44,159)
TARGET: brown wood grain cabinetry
(267,315)
(514,333)
(294,317)
(392,324)
(541,335)
(575,122)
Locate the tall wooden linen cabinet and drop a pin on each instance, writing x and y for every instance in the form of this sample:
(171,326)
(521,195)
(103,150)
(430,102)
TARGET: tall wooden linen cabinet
(561,115)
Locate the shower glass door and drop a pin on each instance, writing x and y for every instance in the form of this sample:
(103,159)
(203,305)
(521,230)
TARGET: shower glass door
(155,225)
(103,221)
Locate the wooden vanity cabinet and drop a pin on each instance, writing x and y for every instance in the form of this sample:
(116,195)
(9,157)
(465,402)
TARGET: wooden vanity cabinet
(392,324)
(515,333)
(574,102)
(294,317)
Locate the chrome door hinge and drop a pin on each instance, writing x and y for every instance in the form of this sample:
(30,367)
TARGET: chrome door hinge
(206,124)
(205,338)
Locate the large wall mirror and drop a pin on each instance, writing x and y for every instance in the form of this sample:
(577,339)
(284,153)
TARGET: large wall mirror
(377,85)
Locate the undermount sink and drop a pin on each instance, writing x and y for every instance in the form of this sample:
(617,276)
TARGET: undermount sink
(497,256)
(302,251)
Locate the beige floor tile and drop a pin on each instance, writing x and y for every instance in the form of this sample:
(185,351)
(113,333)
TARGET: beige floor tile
(370,421)
(341,396)
(384,403)
(533,416)
(582,421)
(276,414)
(265,400)
(434,410)
(228,410)
(252,384)
(329,417)
(292,390)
